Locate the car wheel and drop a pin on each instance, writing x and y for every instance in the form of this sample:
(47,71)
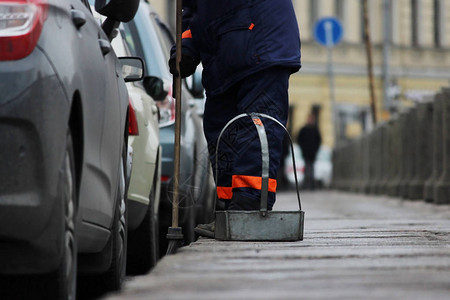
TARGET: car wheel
(114,277)
(143,243)
(60,284)
(66,275)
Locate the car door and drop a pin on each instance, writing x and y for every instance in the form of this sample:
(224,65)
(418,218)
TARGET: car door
(90,72)
(106,104)
(113,129)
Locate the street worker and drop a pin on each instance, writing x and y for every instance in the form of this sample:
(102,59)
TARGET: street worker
(249,49)
(309,140)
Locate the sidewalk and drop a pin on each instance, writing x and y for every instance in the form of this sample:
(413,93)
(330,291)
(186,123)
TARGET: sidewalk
(355,247)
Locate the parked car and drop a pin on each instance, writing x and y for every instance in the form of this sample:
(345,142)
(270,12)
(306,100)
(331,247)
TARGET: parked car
(145,183)
(150,39)
(63,154)
(322,166)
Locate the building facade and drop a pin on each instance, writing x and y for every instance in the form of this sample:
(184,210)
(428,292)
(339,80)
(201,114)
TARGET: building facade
(411,60)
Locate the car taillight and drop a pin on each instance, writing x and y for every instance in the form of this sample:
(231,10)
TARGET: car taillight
(133,128)
(21,23)
(167,110)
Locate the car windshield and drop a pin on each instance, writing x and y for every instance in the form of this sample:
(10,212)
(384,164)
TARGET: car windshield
(164,37)
(131,38)
(143,40)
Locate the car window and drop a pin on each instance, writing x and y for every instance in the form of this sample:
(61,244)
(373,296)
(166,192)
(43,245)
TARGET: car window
(131,38)
(166,41)
(166,38)
(143,40)
(119,45)
(169,37)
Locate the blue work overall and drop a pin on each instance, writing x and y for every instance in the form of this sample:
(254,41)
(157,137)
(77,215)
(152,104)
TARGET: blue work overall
(248,49)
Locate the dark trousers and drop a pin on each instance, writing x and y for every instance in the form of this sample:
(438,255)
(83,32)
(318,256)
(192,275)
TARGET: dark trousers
(239,160)
(309,182)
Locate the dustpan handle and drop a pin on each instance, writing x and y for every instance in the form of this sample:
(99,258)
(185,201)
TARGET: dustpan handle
(292,152)
(265,161)
(217,147)
(267,179)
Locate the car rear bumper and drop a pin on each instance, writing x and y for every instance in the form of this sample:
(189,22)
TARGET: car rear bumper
(33,114)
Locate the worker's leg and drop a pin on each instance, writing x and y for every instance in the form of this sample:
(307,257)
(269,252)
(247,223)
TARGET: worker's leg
(265,92)
(239,159)
(218,111)
(309,175)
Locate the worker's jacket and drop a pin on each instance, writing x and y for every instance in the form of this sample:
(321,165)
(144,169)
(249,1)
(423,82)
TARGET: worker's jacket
(236,38)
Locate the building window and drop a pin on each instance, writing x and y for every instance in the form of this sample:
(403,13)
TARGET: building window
(438,18)
(415,23)
(391,14)
(361,16)
(314,11)
(340,9)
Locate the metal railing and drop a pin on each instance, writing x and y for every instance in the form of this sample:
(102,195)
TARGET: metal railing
(406,157)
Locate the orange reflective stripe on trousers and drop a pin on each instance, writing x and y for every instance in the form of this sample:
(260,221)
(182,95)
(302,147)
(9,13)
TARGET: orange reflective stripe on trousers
(244,181)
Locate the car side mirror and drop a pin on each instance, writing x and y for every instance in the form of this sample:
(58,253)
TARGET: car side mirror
(119,10)
(132,68)
(156,88)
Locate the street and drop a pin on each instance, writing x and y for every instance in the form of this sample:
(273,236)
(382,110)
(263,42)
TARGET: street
(115,113)
(355,247)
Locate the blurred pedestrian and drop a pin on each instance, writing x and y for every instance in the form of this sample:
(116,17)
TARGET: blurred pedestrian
(249,49)
(309,140)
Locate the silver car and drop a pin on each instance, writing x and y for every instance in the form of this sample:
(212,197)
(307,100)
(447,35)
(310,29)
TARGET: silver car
(150,39)
(145,181)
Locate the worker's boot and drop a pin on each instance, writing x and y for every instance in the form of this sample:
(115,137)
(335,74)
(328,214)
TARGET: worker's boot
(206,230)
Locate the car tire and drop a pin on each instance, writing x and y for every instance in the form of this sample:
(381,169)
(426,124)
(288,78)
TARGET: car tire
(61,283)
(66,275)
(143,243)
(113,278)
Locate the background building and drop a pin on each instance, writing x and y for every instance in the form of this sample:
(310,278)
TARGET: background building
(411,56)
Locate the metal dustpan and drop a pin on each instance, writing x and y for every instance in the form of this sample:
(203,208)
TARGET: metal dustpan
(260,225)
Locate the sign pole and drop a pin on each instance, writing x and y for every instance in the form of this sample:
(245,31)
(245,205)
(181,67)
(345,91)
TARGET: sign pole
(328,32)
(369,63)
(329,45)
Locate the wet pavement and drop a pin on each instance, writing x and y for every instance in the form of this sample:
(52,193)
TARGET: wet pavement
(355,247)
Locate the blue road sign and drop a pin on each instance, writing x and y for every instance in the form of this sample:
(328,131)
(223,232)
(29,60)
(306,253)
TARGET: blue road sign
(328,31)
